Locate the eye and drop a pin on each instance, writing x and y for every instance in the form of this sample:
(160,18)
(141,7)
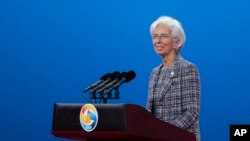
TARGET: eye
(154,36)
(164,36)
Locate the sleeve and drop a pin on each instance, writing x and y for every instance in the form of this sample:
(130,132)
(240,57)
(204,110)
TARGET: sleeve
(190,91)
(149,97)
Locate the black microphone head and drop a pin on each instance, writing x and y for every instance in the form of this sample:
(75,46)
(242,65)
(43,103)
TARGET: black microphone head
(104,77)
(119,76)
(130,75)
(114,75)
(124,75)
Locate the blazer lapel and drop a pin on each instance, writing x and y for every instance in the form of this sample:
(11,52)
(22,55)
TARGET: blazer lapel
(169,78)
(154,79)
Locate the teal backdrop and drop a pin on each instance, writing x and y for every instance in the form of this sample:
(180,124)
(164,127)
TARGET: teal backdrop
(51,49)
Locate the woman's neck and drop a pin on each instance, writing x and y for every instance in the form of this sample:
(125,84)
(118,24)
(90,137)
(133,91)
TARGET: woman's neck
(167,61)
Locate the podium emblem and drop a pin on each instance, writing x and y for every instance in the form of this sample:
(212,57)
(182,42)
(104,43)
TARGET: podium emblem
(88,117)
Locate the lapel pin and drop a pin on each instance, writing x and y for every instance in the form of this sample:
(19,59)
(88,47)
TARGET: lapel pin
(172,74)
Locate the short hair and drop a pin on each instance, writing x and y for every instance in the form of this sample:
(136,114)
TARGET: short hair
(174,25)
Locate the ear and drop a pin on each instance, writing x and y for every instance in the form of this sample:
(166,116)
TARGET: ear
(177,42)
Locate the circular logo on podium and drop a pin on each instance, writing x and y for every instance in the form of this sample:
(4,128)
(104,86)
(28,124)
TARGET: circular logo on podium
(88,117)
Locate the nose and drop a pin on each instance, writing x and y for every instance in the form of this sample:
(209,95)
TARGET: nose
(157,40)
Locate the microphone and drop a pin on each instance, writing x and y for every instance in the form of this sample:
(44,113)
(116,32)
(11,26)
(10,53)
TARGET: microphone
(118,77)
(126,77)
(103,78)
(111,77)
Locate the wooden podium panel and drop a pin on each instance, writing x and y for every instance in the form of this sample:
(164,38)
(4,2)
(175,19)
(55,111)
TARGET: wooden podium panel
(120,122)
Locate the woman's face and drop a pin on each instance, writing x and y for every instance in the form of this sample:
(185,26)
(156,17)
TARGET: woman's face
(163,41)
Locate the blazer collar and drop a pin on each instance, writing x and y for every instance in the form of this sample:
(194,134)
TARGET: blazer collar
(174,67)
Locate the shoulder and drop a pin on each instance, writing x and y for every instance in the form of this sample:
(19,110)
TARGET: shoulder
(186,65)
(188,68)
(155,69)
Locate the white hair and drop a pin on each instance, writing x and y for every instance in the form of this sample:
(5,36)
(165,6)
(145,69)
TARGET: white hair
(174,25)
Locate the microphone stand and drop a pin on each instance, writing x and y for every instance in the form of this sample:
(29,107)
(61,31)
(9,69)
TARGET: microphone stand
(102,96)
(117,93)
(105,100)
(105,94)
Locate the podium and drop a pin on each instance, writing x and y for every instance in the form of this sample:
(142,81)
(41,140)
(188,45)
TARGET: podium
(116,122)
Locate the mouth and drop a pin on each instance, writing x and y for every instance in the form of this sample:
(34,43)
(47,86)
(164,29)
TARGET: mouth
(159,48)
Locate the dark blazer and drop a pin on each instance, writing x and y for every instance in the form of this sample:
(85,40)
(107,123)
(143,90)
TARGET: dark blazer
(177,101)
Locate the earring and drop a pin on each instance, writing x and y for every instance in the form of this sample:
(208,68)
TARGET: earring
(176,51)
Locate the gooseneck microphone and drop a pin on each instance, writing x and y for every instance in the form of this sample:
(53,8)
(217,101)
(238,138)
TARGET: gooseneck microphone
(111,77)
(126,77)
(102,89)
(103,78)
(117,78)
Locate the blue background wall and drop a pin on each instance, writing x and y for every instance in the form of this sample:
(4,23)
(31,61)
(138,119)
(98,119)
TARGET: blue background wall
(51,50)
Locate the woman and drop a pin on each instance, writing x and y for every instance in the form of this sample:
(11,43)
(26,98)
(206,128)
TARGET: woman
(174,85)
